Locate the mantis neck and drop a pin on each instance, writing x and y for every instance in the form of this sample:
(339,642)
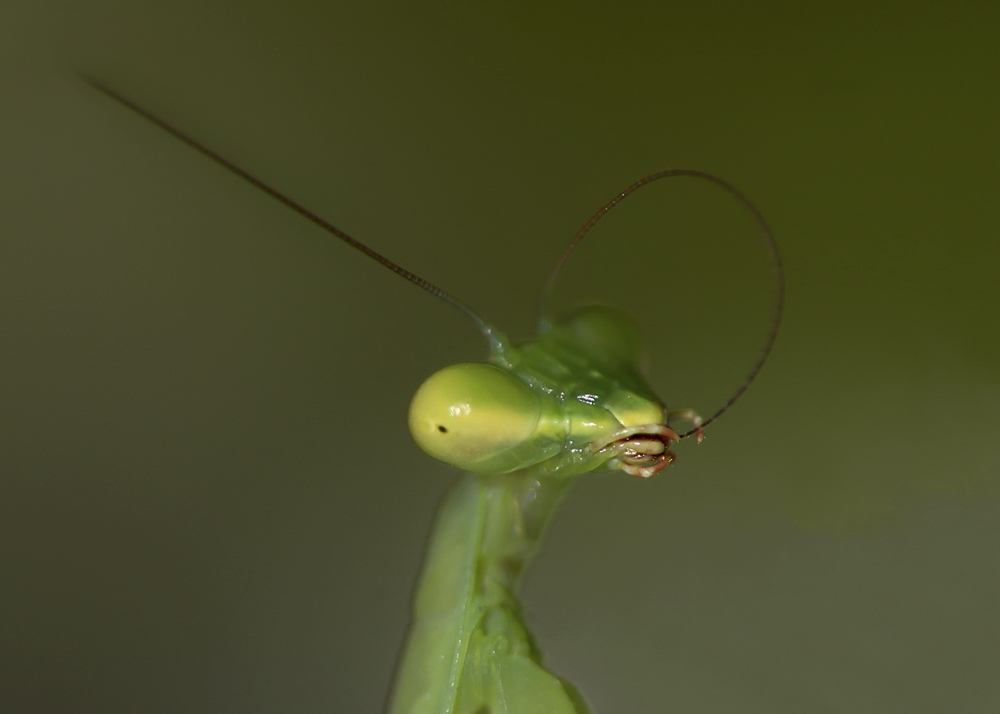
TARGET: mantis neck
(468,649)
(518,510)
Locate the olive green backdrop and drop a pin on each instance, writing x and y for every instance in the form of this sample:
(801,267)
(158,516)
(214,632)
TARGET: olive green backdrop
(209,501)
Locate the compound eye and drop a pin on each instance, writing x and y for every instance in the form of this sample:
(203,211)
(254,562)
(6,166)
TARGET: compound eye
(468,413)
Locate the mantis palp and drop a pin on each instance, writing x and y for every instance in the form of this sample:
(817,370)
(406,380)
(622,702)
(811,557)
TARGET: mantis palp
(522,425)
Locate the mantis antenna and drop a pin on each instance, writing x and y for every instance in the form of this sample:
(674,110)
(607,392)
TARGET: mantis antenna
(489,332)
(772,248)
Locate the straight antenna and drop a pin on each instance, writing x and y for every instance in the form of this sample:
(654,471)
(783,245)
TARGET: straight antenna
(491,335)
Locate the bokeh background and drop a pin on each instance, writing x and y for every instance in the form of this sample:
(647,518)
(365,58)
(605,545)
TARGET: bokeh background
(209,501)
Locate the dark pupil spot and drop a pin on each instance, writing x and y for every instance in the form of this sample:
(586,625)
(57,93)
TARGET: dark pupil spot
(442,429)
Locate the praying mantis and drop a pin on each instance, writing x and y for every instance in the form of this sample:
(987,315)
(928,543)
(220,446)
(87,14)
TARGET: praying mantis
(521,426)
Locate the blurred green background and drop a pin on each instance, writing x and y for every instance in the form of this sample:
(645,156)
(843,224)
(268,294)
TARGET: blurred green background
(209,501)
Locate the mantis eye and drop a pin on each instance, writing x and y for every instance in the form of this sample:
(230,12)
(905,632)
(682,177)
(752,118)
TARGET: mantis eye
(469,414)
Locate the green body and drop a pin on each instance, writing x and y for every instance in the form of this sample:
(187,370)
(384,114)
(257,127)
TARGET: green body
(468,650)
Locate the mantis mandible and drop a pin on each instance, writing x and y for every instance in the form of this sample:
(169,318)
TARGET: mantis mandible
(521,425)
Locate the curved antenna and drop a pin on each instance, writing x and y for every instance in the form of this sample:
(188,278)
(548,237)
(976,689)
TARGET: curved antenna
(772,247)
(496,340)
